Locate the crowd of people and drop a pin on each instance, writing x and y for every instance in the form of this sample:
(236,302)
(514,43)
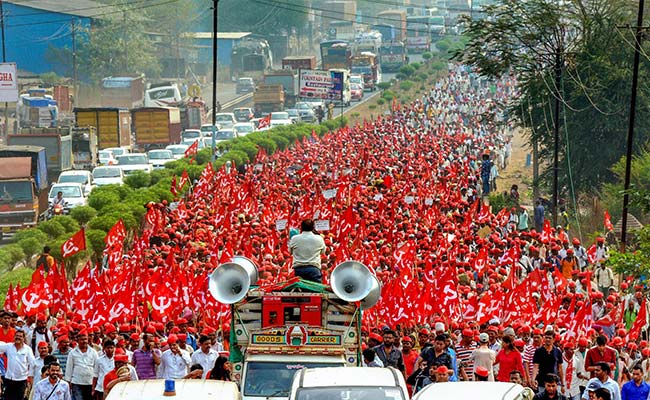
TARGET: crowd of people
(466,293)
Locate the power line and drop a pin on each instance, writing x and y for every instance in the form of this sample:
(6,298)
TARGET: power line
(71,10)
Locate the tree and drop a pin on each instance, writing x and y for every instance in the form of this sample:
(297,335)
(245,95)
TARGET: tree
(524,38)
(262,16)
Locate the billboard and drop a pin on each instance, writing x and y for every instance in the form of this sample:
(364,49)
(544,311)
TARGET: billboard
(8,82)
(321,84)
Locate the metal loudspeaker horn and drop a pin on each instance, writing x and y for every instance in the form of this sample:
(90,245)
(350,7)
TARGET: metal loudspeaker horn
(230,281)
(351,281)
(373,297)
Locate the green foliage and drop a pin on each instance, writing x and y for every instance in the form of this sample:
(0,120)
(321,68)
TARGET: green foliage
(52,228)
(406,85)
(388,95)
(400,76)
(51,78)
(21,276)
(31,246)
(158,174)
(263,18)
(30,233)
(407,70)
(416,65)
(439,66)
(10,255)
(636,263)
(443,45)
(499,201)
(83,214)
(104,196)
(246,147)
(95,241)
(373,106)
(105,222)
(268,145)
(423,76)
(384,85)
(138,179)
(381,102)
(612,193)
(427,56)
(68,223)
(237,156)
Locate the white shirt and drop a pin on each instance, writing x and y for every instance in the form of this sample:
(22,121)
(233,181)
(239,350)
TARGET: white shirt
(80,367)
(173,366)
(44,387)
(306,249)
(36,368)
(103,365)
(19,362)
(206,360)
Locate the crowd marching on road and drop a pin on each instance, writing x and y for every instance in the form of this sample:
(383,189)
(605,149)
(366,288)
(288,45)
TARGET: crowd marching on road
(468,293)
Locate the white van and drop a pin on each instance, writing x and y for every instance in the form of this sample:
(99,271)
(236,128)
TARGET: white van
(186,389)
(348,383)
(162,95)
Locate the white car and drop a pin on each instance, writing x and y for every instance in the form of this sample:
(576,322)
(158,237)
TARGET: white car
(134,162)
(206,129)
(106,158)
(471,390)
(225,120)
(191,134)
(280,118)
(189,142)
(158,158)
(108,175)
(117,151)
(73,194)
(178,150)
(225,134)
(243,128)
(358,79)
(78,176)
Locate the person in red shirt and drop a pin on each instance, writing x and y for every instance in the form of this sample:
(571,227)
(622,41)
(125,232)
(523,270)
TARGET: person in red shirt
(6,333)
(601,352)
(115,376)
(509,359)
(408,354)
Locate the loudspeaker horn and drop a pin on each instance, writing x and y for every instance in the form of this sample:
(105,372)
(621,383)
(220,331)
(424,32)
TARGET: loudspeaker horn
(230,281)
(351,281)
(373,297)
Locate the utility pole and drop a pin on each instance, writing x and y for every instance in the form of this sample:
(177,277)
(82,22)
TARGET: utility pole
(126,47)
(215,15)
(556,131)
(630,130)
(4,60)
(74,61)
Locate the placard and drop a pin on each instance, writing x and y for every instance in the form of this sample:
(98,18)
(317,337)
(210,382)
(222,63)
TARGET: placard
(428,202)
(8,82)
(409,199)
(329,193)
(280,224)
(322,225)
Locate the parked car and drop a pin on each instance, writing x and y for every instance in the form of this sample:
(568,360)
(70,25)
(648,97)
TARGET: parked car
(134,162)
(307,113)
(206,129)
(243,114)
(356,91)
(243,128)
(158,158)
(106,158)
(108,175)
(178,150)
(294,115)
(73,194)
(245,85)
(225,120)
(78,176)
(191,134)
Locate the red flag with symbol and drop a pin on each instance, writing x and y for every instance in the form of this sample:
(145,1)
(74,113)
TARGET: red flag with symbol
(74,245)
(264,122)
(640,322)
(193,149)
(591,254)
(608,222)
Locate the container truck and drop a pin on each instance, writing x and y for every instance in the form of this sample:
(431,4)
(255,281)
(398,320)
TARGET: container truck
(289,81)
(156,127)
(23,187)
(113,125)
(280,329)
(299,62)
(57,144)
(267,99)
(122,91)
(392,56)
(335,54)
(365,64)
(84,147)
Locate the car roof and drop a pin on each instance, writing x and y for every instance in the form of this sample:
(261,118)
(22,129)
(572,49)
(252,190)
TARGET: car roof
(108,167)
(196,389)
(173,146)
(68,184)
(74,172)
(348,376)
(132,154)
(470,390)
(155,150)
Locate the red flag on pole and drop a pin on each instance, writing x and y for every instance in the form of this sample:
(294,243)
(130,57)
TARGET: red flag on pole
(264,122)
(74,245)
(193,149)
(608,222)
(640,322)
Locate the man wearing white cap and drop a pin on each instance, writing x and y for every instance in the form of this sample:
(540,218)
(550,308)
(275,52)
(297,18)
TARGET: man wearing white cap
(484,356)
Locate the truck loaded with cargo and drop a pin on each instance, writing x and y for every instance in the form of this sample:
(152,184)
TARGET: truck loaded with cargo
(279,329)
(23,187)
(56,141)
(156,127)
(122,91)
(113,125)
(84,147)
(289,81)
(365,64)
(299,62)
(268,99)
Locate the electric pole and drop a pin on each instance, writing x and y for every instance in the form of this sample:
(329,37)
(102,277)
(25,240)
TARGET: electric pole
(630,129)
(215,15)
(4,60)
(74,62)
(556,131)
(126,47)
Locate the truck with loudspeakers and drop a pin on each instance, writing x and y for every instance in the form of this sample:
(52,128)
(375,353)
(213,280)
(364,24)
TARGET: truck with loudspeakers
(280,329)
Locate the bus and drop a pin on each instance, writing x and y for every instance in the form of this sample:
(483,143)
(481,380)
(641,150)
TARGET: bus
(392,56)
(418,35)
(335,54)
(396,18)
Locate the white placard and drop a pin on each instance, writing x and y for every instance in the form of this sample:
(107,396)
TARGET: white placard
(428,202)
(378,197)
(409,199)
(329,193)
(8,82)
(322,225)
(280,224)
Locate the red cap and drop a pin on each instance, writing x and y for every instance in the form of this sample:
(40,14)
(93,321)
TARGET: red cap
(172,339)
(181,321)
(62,338)
(443,370)
(425,331)
(407,339)
(600,239)
(645,352)
(135,336)
(121,358)
(482,371)
(583,342)
(42,344)
(519,343)
(468,332)
(109,329)
(376,337)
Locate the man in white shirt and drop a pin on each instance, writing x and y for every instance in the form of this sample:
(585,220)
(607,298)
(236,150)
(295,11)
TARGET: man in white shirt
(43,351)
(174,363)
(52,387)
(103,365)
(205,356)
(80,368)
(306,249)
(20,360)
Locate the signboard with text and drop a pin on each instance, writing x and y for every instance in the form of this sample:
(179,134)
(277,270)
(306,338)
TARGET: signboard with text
(321,84)
(8,82)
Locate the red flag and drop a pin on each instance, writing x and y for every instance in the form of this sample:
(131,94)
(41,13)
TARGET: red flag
(608,222)
(640,322)
(264,122)
(481,260)
(193,149)
(184,179)
(388,181)
(74,245)
(173,186)
(591,254)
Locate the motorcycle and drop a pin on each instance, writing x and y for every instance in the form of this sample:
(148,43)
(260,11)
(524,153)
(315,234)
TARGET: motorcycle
(57,209)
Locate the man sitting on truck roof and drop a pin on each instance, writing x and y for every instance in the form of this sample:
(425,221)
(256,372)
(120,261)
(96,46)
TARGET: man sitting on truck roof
(306,249)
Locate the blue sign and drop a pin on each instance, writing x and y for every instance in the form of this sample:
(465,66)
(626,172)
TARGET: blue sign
(336,90)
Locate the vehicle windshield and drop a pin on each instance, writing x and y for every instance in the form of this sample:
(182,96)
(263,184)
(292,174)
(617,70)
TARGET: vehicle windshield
(350,393)
(292,112)
(117,151)
(274,378)
(104,155)
(160,155)
(356,79)
(244,128)
(303,106)
(223,118)
(68,191)
(83,179)
(279,115)
(177,150)
(162,94)
(207,128)
(106,173)
(191,134)
(355,86)
(132,159)
(225,135)
(242,113)
(361,70)
(245,81)
(15,191)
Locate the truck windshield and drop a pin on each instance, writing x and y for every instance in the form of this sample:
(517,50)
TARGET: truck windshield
(274,378)
(15,191)
(350,393)
(361,70)
(162,94)
(110,172)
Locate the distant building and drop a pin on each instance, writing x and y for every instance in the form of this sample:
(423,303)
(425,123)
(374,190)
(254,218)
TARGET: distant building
(36,29)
